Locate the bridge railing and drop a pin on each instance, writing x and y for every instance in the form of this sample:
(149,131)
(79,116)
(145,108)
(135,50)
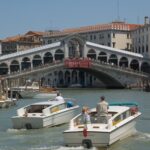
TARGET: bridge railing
(121,68)
(28,70)
(75,63)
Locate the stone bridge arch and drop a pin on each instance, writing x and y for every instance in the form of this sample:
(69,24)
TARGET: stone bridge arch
(102,57)
(14,66)
(91,54)
(37,60)
(113,59)
(74,46)
(4,68)
(59,54)
(123,62)
(145,67)
(48,58)
(26,63)
(134,64)
(107,79)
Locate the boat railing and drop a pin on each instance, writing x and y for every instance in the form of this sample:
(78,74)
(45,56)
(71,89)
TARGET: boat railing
(129,104)
(67,100)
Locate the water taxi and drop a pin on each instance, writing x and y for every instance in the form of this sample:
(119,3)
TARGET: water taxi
(6,102)
(45,114)
(33,90)
(121,124)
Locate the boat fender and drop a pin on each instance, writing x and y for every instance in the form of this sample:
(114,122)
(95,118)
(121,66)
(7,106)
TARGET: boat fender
(85,133)
(133,110)
(69,104)
(28,126)
(87,143)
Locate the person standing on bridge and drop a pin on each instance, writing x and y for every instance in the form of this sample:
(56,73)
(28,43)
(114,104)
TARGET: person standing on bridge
(102,111)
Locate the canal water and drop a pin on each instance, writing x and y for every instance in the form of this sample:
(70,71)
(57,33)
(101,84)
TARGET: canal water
(52,138)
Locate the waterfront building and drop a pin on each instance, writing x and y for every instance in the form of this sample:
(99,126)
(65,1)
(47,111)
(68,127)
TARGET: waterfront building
(21,42)
(116,34)
(141,39)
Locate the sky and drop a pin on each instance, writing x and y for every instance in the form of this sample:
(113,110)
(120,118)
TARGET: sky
(20,16)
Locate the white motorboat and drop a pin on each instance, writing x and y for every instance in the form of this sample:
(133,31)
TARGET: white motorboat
(121,124)
(33,90)
(77,85)
(6,102)
(44,114)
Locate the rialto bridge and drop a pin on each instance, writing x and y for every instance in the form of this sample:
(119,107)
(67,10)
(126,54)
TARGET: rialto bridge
(74,61)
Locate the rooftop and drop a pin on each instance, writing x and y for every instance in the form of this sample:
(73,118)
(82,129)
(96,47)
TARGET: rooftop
(99,27)
(20,37)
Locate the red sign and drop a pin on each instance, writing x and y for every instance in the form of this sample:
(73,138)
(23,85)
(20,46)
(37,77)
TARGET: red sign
(77,63)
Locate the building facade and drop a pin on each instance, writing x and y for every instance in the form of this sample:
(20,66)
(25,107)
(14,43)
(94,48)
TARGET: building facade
(115,34)
(141,39)
(21,42)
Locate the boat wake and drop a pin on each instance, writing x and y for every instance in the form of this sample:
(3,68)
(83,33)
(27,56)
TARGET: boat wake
(145,118)
(61,148)
(143,136)
(44,148)
(74,148)
(15,130)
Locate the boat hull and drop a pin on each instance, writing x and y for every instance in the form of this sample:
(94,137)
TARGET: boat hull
(99,138)
(36,94)
(36,121)
(7,103)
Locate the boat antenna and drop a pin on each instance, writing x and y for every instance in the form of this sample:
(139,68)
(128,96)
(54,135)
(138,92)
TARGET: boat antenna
(118,11)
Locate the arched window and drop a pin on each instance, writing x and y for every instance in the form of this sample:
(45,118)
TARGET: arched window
(113,59)
(3,69)
(91,54)
(60,78)
(145,67)
(134,64)
(14,66)
(123,62)
(67,78)
(59,54)
(102,57)
(26,63)
(48,58)
(37,61)
(74,77)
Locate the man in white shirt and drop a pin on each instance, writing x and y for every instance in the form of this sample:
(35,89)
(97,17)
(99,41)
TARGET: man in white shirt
(59,98)
(102,111)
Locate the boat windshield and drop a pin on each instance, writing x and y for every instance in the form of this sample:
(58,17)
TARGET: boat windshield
(93,117)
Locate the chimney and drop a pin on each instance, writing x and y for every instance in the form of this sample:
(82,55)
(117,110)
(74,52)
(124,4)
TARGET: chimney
(146,20)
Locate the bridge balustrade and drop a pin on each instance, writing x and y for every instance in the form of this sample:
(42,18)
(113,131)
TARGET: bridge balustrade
(121,68)
(32,69)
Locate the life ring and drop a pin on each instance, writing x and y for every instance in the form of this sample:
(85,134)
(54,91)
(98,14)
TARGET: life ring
(28,126)
(87,143)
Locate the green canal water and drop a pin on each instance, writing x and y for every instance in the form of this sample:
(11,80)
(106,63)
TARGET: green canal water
(52,138)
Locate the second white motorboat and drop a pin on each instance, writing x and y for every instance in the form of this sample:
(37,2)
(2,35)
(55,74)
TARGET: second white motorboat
(33,90)
(121,123)
(44,114)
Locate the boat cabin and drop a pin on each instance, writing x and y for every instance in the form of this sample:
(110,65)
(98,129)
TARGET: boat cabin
(43,109)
